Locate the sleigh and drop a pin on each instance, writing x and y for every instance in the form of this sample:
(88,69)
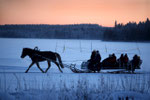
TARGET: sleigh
(116,66)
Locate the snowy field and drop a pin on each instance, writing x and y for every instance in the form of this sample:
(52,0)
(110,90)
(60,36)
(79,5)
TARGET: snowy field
(53,85)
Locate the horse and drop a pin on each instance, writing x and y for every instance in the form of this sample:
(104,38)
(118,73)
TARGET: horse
(39,56)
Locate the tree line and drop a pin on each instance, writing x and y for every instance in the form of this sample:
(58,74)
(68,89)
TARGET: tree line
(75,31)
(131,31)
(128,32)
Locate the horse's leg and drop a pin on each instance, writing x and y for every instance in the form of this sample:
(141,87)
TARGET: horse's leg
(29,67)
(49,65)
(39,67)
(58,67)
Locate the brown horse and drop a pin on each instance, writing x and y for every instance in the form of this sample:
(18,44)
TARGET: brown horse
(38,56)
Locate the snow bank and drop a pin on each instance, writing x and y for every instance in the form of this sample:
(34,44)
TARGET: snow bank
(22,86)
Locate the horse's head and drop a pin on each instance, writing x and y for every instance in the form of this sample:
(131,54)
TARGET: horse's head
(24,52)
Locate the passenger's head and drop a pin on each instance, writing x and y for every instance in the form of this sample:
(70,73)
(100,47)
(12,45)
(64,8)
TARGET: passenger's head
(113,54)
(122,55)
(97,51)
(94,52)
(135,55)
(126,54)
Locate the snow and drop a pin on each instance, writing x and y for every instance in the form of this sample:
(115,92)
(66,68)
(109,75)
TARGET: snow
(17,85)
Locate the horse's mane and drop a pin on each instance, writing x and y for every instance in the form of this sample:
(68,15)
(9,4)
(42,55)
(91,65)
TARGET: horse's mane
(27,49)
(30,51)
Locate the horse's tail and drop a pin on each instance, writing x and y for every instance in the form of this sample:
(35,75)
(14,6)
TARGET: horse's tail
(59,59)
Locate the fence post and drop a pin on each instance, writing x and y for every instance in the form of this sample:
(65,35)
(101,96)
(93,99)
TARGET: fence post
(105,48)
(91,46)
(56,47)
(64,48)
(138,48)
(80,47)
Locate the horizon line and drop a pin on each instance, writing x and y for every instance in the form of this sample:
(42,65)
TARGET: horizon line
(79,23)
(61,24)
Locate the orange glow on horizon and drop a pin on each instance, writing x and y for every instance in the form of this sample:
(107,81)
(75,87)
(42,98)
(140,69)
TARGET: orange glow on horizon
(102,12)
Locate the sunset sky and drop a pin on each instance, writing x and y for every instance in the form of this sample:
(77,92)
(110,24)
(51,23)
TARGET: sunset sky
(102,12)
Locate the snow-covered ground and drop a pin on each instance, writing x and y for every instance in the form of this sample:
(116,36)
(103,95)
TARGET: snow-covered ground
(17,85)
